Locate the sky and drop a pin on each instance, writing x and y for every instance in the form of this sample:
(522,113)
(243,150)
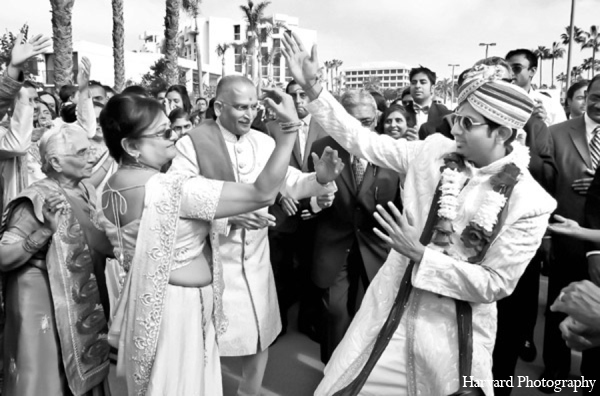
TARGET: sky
(432,33)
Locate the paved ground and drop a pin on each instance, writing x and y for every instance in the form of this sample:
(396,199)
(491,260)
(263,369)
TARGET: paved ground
(294,368)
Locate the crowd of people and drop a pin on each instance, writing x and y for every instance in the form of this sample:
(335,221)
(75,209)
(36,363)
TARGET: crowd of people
(161,233)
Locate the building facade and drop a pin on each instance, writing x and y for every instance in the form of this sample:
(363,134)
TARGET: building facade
(391,75)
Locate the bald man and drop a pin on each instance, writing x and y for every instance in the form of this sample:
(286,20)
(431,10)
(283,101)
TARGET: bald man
(229,149)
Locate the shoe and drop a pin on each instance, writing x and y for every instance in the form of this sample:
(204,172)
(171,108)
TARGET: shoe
(528,351)
(551,376)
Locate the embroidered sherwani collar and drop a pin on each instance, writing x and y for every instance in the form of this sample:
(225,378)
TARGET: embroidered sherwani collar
(519,156)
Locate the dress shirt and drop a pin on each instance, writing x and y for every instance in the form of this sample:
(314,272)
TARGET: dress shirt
(303,135)
(590,125)
(554,111)
(421,115)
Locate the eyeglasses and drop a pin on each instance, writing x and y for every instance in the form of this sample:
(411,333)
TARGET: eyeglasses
(507,80)
(464,122)
(83,153)
(242,107)
(517,69)
(367,122)
(166,134)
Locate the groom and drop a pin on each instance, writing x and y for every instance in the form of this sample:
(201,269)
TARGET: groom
(473,219)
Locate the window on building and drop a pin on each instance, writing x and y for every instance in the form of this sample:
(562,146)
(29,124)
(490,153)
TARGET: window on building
(236,32)
(265,61)
(238,59)
(393,77)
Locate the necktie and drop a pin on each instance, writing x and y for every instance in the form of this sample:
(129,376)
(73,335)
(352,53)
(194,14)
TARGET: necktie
(419,109)
(359,171)
(302,135)
(595,148)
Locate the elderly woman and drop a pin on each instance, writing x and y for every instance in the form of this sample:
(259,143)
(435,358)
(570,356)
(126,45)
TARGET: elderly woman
(55,332)
(170,311)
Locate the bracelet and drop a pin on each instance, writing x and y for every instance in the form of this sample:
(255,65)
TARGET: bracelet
(31,246)
(292,124)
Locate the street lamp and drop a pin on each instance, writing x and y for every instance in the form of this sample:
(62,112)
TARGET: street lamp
(487,45)
(452,65)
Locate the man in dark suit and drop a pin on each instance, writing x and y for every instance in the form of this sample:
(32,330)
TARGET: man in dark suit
(290,238)
(577,153)
(424,110)
(347,253)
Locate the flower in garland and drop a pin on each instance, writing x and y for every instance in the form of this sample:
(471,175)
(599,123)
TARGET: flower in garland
(450,186)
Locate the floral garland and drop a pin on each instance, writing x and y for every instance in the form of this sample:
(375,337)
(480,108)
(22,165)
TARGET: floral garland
(479,233)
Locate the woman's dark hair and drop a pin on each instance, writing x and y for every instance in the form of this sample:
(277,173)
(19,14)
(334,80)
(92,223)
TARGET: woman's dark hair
(177,114)
(68,113)
(126,117)
(185,98)
(46,93)
(210,112)
(410,119)
(380,100)
(66,91)
(136,90)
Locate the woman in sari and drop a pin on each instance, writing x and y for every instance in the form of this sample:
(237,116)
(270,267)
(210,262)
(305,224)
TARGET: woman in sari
(169,312)
(50,255)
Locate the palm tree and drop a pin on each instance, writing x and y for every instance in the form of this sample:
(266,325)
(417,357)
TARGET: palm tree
(254,14)
(542,53)
(372,84)
(271,57)
(171,29)
(221,50)
(192,8)
(118,37)
(561,78)
(590,64)
(62,37)
(443,88)
(329,67)
(565,36)
(576,73)
(245,48)
(591,40)
(337,63)
(556,52)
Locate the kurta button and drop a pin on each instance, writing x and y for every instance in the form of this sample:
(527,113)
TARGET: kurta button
(242,164)
(238,149)
(246,258)
(247,242)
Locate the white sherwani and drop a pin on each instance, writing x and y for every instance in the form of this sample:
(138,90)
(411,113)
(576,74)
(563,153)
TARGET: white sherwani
(250,299)
(422,357)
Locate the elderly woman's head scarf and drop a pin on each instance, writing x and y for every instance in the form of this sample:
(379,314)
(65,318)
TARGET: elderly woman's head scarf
(501,102)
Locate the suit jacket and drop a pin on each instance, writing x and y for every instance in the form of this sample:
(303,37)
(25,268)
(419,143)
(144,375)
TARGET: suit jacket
(350,218)
(592,210)
(572,157)
(283,222)
(435,119)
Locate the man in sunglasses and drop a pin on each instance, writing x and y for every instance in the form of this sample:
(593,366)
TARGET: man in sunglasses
(524,65)
(229,149)
(405,338)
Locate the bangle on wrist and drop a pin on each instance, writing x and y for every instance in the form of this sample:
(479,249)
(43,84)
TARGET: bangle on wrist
(32,246)
(291,127)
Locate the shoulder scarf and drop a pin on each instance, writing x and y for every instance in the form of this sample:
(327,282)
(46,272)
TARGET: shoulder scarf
(138,316)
